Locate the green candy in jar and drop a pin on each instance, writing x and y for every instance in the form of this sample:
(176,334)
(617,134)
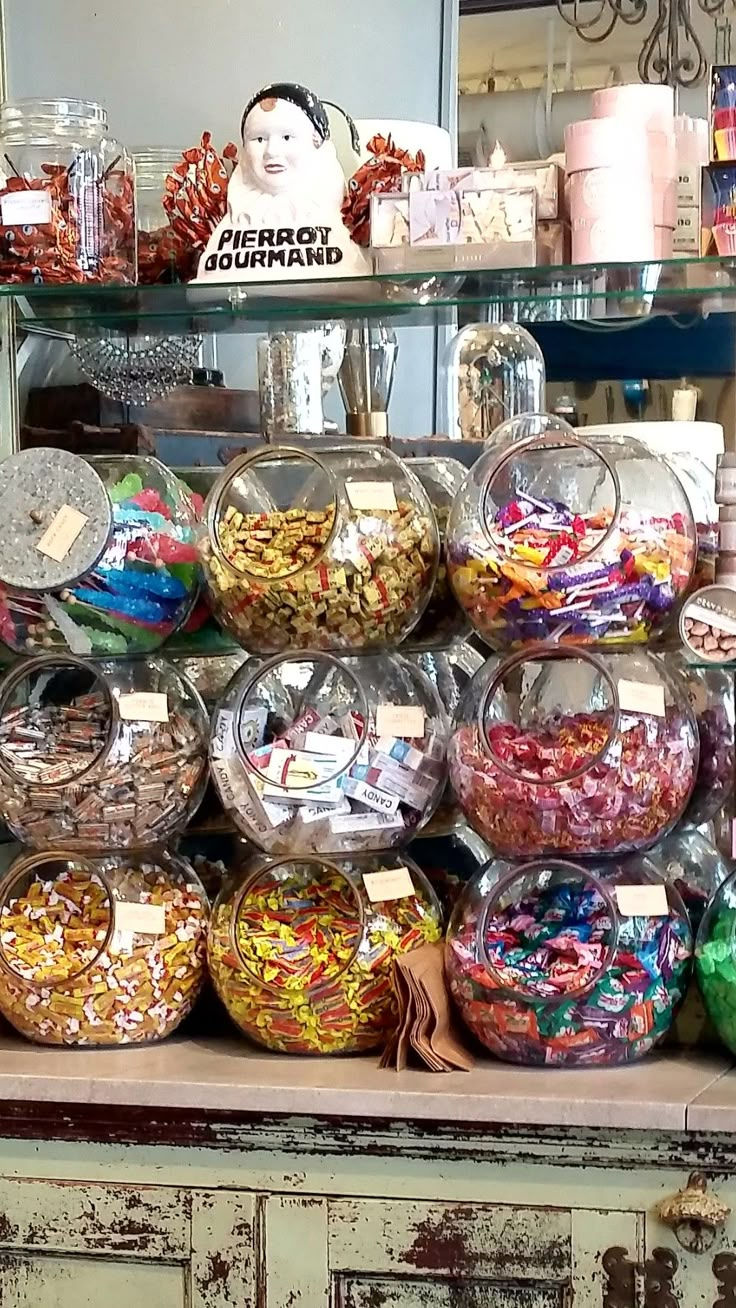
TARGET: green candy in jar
(715,962)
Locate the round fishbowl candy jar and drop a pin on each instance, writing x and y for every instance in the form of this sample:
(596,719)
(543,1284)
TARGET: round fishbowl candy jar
(443,621)
(581,541)
(301,952)
(310,753)
(99,755)
(557,963)
(450,858)
(557,750)
(108,950)
(715,961)
(710,691)
(97,556)
(332,551)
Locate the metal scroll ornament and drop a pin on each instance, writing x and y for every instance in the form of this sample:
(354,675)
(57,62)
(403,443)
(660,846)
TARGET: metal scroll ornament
(672,53)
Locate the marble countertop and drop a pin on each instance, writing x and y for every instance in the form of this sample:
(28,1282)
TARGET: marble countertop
(668,1091)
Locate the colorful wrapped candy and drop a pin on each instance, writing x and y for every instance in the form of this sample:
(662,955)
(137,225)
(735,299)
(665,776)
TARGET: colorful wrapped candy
(563,965)
(553,537)
(556,751)
(715,962)
(301,952)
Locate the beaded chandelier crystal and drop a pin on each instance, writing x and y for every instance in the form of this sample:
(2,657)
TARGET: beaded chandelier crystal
(672,53)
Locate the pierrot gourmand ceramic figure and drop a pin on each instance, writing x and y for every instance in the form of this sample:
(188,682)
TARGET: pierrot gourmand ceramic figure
(284,197)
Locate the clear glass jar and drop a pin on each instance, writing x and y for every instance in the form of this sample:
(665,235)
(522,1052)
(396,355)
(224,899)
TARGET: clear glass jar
(67,195)
(690,863)
(314,754)
(493,373)
(301,952)
(450,859)
(331,551)
(443,621)
(100,951)
(450,672)
(566,965)
(559,751)
(163,255)
(554,537)
(711,694)
(715,961)
(99,756)
(97,556)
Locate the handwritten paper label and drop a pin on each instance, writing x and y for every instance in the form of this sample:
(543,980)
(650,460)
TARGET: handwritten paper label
(144,706)
(641,697)
(140,919)
(400,720)
(61,534)
(391,883)
(642,901)
(372,495)
(26,209)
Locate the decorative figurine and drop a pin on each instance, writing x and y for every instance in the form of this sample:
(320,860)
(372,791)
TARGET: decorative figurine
(284,199)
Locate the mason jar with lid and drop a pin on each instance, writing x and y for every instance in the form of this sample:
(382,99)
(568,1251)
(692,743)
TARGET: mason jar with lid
(556,537)
(163,255)
(100,951)
(99,755)
(443,621)
(564,964)
(301,951)
(67,195)
(333,551)
(310,753)
(558,751)
(97,556)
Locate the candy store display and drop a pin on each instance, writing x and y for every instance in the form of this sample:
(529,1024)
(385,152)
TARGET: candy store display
(99,756)
(310,753)
(100,951)
(443,620)
(163,253)
(97,556)
(554,963)
(301,951)
(710,691)
(583,542)
(715,961)
(331,551)
(559,751)
(67,196)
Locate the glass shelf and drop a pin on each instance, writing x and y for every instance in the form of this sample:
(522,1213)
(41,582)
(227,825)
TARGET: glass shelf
(581,293)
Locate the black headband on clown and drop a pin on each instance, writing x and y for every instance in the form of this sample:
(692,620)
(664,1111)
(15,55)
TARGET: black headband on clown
(300,96)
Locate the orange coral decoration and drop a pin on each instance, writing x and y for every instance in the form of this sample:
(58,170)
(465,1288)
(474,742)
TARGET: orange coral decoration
(382,174)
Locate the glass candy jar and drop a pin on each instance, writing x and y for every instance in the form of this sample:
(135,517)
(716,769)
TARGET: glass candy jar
(493,373)
(67,196)
(336,550)
(443,621)
(559,751)
(554,963)
(99,756)
(715,961)
(710,691)
(100,951)
(449,859)
(554,537)
(314,754)
(163,255)
(97,556)
(301,952)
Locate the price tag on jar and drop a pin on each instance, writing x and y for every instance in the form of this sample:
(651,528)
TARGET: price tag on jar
(391,883)
(62,532)
(366,495)
(144,706)
(641,697)
(140,919)
(400,720)
(642,901)
(26,209)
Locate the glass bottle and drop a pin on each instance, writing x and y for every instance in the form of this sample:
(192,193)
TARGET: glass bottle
(493,373)
(163,255)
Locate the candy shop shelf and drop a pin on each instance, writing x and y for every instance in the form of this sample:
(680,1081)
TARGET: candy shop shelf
(581,293)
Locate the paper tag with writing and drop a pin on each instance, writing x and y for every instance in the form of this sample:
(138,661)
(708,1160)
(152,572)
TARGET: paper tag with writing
(642,901)
(641,697)
(399,720)
(140,919)
(372,495)
(144,706)
(392,883)
(26,209)
(61,533)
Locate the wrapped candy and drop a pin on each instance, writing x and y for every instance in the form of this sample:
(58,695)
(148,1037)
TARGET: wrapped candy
(710,692)
(715,962)
(558,964)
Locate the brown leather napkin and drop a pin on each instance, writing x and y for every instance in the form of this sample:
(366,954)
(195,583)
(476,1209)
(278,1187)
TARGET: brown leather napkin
(425,1025)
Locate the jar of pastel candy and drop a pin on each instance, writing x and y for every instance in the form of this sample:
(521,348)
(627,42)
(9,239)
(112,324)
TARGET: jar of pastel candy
(99,755)
(443,621)
(97,556)
(310,753)
(557,963)
(301,951)
(108,950)
(557,750)
(331,551)
(715,961)
(557,537)
(710,691)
